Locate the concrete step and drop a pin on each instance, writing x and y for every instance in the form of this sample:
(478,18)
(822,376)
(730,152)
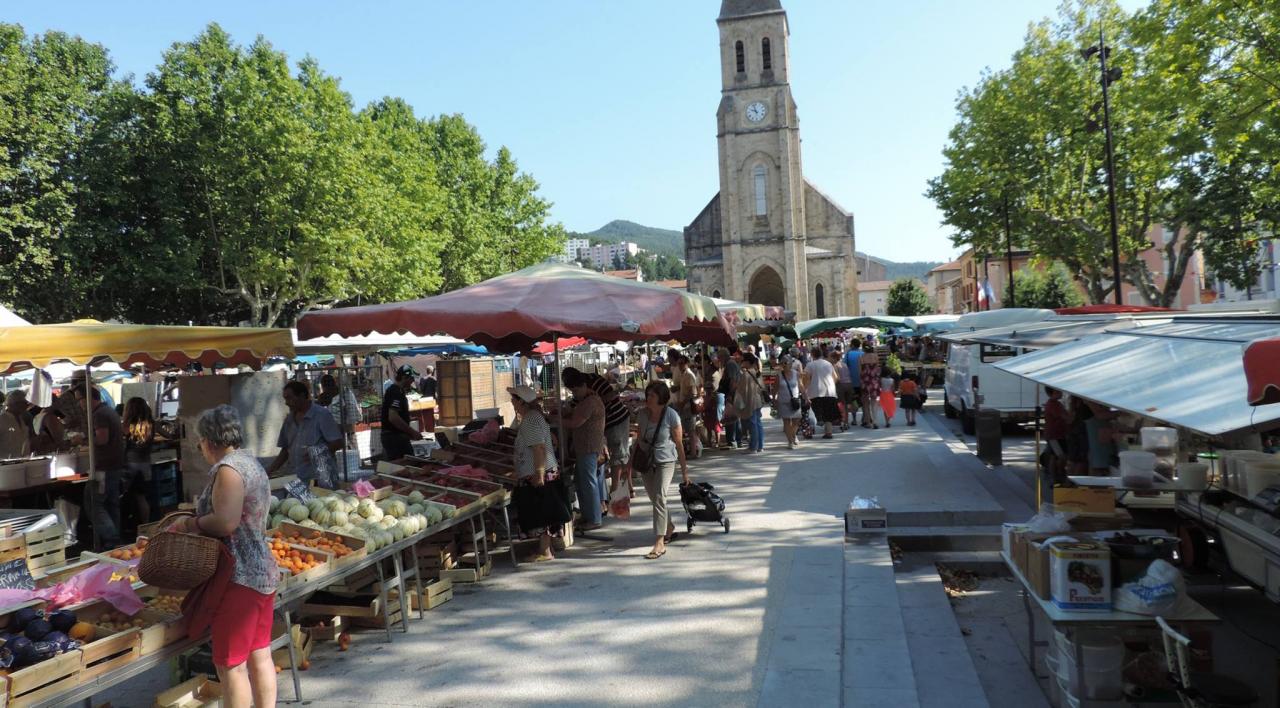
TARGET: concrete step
(876,659)
(946,538)
(944,673)
(803,664)
(978,517)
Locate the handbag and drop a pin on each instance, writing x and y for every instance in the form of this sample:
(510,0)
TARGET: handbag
(643,460)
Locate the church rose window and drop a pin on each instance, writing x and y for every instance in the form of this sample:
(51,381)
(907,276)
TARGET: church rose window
(762,200)
(741,56)
(765,54)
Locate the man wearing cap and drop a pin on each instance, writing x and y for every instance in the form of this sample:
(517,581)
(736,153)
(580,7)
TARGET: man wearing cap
(397,434)
(15,427)
(308,438)
(586,422)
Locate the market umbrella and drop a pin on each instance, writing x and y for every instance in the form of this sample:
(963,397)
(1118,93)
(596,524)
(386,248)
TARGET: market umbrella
(512,312)
(9,319)
(812,328)
(1262,371)
(545,348)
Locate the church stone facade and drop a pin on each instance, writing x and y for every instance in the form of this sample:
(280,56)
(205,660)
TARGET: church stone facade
(769,236)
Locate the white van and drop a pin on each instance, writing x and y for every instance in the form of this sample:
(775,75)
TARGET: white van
(970,371)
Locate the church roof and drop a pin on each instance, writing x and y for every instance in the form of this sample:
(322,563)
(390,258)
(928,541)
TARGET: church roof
(730,9)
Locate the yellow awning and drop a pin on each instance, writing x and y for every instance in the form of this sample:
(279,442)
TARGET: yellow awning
(88,342)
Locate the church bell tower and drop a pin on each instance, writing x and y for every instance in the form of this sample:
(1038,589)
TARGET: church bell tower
(762,187)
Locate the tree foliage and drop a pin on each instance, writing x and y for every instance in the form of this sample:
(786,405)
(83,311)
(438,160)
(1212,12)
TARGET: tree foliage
(1192,153)
(1048,289)
(907,298)
(236,186)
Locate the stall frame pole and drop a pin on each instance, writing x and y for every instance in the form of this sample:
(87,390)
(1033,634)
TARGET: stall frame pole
(92,496)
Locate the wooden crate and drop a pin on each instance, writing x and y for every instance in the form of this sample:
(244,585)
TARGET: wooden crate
(326,632)
(468,574)
(161,630)
(34,685)
(356,582)
(110,649)
(46,548)
(359,547)
(288,580)
(433,594)
(55,574)
(302,644)
(467,387)
(200,692)
(358,606)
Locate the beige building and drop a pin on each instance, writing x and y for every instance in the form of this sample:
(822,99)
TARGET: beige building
(873,296)
(941,282)
(769,236)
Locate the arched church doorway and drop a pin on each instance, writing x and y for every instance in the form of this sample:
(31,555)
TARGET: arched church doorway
(766,288)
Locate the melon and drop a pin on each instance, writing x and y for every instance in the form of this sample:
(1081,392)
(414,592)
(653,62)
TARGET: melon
(298,513)
(416,497)
(275,504)
(323,517)
(340,518)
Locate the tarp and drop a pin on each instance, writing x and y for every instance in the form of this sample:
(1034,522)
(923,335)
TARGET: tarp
(544,348)
(1262,371)
(811,328)
(510,313)
(1188,373)
(930,324)
(9,319)
(87,341)
(1109,309)
(1051,332)
(1003,317)
(369,343)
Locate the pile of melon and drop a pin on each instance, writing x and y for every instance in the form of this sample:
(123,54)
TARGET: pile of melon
(379,524)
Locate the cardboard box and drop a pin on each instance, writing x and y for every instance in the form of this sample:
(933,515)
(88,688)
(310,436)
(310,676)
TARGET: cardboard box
(1037,568)
(1080,575)
(1007,532)
(866,521)
(199,692)
(1085,500)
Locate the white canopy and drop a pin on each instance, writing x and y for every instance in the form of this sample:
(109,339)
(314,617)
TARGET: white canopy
(9,319)
(1188,372)
(336,344)
(1052,332)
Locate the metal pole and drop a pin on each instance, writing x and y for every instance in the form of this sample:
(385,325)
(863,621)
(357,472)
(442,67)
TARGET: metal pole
(1111,168)
(986,280)
(93,458)
(1008,245)
(555,344)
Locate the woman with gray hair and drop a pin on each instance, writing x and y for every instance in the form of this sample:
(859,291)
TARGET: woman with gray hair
(233,507)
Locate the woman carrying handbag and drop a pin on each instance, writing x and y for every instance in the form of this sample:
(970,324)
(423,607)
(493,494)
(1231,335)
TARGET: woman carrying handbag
(750,399)
(658,446)
(789,400)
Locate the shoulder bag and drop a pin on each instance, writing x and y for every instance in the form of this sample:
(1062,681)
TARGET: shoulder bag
(643,460)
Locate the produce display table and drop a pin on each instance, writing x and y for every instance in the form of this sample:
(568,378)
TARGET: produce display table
(1160,495)
(1072,623)
(286,602)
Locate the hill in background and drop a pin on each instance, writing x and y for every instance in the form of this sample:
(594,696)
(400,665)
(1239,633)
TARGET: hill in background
(671,242)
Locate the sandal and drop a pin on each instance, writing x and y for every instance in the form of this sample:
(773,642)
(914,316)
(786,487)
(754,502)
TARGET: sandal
(655,556)
(542,558)
(670,537)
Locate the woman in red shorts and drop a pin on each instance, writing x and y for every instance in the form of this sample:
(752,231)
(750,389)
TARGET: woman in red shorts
(234,508)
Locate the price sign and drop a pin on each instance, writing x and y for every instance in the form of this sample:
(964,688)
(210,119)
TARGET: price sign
(299,490)
(15,575)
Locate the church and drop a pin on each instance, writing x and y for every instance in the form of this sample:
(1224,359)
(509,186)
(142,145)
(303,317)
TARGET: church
(769,236)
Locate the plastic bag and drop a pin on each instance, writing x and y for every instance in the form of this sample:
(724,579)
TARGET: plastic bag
(865,503)
(362,488)
(1050,522)
(888,404)
(1156,593)
(620,502)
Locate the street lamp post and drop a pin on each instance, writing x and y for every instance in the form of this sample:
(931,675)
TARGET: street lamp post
(1108,76)
(1008,252)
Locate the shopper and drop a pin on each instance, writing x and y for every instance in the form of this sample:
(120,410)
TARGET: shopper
(789,398)
(233,508)
(397,435)
(1100,427)
(713,411)
(16,434)
(586,423)
(1078,437)
(686,394)
(49,430)
(820,389)
(428,385)
(750,400)
(909,398)
(844,386)
(870,364)
(729,372)
(328,391)
(139,436)
(308,438)
(107,438)
(540,497)
(617,424)
(1057,422)
(853,360)
(661,440)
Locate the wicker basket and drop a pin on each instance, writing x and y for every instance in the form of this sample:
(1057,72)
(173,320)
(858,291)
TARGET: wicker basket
(178,561)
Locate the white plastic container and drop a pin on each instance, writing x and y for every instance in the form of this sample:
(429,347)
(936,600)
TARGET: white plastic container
(1159,440)
(1260,474)
(1137,468)
(1193,475)
(1103,666)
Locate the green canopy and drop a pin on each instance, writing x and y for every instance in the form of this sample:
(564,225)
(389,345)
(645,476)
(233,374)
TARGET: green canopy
(828,325)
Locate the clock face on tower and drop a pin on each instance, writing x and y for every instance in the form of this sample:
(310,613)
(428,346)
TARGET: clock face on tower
(756,112)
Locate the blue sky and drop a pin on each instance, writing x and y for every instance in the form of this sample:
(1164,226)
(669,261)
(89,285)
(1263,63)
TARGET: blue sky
(610,104)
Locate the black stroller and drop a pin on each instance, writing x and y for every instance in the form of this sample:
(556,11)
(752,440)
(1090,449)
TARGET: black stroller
(701,503)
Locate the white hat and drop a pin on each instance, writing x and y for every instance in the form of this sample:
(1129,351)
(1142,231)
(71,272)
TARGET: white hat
(524,393)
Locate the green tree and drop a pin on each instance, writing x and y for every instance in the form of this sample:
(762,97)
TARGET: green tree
(1048,289)
(907,298)
(51,86)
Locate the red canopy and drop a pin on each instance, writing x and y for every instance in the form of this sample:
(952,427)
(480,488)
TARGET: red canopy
(1109,309)
(512,312)
(1262,371)
(545,348)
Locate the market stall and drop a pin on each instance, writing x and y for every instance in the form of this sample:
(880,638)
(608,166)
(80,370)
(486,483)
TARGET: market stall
(808,329)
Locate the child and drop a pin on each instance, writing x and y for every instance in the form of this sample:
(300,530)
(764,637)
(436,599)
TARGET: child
(909,392)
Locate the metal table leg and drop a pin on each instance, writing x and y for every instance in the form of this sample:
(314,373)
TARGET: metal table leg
(386,604)
(293,656)
(1079,647)
(398,563)
(484,543)
(421,581)
(511,540)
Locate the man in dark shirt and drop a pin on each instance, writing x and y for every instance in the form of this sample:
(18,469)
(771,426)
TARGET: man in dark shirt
(728,385)
(103,492)
(617,424)
(427,386)
(397,434)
